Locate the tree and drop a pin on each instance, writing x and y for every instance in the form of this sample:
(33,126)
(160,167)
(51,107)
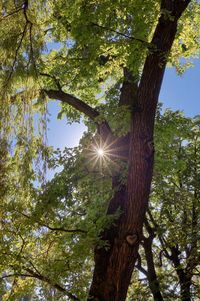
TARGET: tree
(123,47)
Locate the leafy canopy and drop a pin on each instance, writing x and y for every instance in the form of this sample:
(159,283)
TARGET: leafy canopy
(80,47)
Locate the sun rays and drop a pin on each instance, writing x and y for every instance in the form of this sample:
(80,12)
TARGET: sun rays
(100,152)
(104,156)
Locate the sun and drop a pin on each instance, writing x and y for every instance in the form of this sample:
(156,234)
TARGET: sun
(100,152)
(104,155)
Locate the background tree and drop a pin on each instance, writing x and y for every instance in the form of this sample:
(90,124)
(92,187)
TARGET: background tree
(124,47)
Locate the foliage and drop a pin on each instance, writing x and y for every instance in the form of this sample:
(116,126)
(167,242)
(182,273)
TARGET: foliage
(54,232)
(48,230)
(79,47)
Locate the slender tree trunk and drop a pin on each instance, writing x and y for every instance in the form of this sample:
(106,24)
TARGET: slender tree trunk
(184,278)
(185,289)
(151,271)
(114,267)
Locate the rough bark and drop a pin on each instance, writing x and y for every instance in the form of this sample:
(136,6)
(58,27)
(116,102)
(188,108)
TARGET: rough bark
(113,267)
(120,149)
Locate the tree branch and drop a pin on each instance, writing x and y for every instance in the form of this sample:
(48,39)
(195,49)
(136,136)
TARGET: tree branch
(151,231)
(12,13)
(17,52)
(24,7)
(63,229)
(139,266)
(74,102)
(149,45)
(38,276)
(56,81)
(56,285)
(156,61)
(16,275)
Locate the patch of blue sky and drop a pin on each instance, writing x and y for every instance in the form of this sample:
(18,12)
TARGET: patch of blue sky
(60,133)
(182,92)
(55,45)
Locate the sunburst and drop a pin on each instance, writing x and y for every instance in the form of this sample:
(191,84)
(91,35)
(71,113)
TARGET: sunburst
(100,152)
(103,155)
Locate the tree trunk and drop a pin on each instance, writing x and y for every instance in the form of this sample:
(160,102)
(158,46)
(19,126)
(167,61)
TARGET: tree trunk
(114,267)
(151,272)
(185,289)
(184,278)
(154,284)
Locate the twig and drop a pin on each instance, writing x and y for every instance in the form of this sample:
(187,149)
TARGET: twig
(54,78)
(24,7)
(53,228)
(39,276)
(139,266)
(56,285)
(12,13)
(149,45)
(17,51)
(63,229)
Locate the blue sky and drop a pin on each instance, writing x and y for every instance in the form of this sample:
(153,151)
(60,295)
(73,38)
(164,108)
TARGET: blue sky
(182,92)
(178,93)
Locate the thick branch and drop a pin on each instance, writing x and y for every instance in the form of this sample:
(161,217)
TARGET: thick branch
(129,89)
(175,8)
(103,127)
(74,102)
(184,277)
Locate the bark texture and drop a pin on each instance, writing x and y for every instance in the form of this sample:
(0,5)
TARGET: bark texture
(113,267)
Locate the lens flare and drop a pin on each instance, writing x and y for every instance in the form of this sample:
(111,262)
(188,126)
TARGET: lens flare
(104,155)
(100,152)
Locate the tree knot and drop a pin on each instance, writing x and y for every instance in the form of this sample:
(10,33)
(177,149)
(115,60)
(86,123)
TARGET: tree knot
(150,145)
(132,239)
